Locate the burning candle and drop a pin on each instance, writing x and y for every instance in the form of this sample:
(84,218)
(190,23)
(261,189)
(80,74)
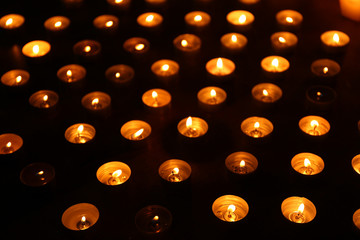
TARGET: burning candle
(15,78)
(135,130)
(10,143)
(350,9)
(211,95)
(175,170)
(321,96)
(11,21)
(298,209)
(230,208)
(87,48)
(249,2)
(266,92)
(314,125)
(80,133)
(165,68)
(44,99)
(37,48)
(153,219)
(71,73)
(37,174)
(275,64)
(57,23)
(289,19)
(106,22)
(283,41)
(96,101)
(123,4)
(197,19)
(187,43)
(80,216)
(240,18)
(234,42)
(113,173)
(241,163)
(334,41)
(136,45)
(355,162)
(192,127)
(256,127)
(220,67)
(150,20)
(120,73)
(307,163)
(325,68)
(156,98)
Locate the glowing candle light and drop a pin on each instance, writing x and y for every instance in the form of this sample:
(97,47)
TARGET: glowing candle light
(275,65)
(18,79)
(174,170)
(11,21)
(282,40)
(184,43)
(109,23)
(336,38)
(165,67)
(83,223)
(230,208)
(113,173)
(138,134)
(197,19)
(289,19)
(150,19)
(191,131)
(212,95)
(156,98)
(314,124)
(36,49)
(257,127)
(58,24)
(174,175)
(154,95)
(230,213)
(8,148)
(45,103)
(15,78)
(192,127)
(298,215)
(241,163)
(334,41)
(79,138)
(242,19)
(10,143)
(325,70)
(139,46)
(44,99)
(187,42)
(87,48)
(80,216)
(96,103)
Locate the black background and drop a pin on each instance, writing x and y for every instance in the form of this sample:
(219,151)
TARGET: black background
(36,212)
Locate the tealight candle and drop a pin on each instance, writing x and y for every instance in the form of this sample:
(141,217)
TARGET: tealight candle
(80,216)
(11,21)
(230,208)
(289,19)
(256,127)
(87,48)
(80,133)
(356,218)
(274,65)
(197,19)
(266,92)
(241,163)
(136,45)
(355,163)
(71,73)
(149,20)
(307,163)
(298,209)
(135,130)
(37,174)
(106,22)
(96,101)
(234,42)
(175,170)
(321,96)
(120,73)
(350,9)
(123,4)
(314,125)
(325,68)
(37,48)
(44,99)
(283,41)
(220,67)
(14,78)
(187,43)
(249,2)
(10,143)
(240,19)
(334,41)
(192,127)
(153,219)
(57,23)
(165,68)
(156,98)
(212,95)
(113,173)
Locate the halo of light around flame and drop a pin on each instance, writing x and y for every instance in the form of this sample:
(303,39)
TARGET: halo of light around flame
(73,215)
(104,101)
(15,141)
(77,73)
(11,77)
(16,21)
(235,18)
(102,22)
(233,162)
(120,73)
(52,23)
(129,129)
(44,99)
(265,126)
(196,123)
(36,48)
(172,68)
(105,172)
(221,206)
(37,174)
(193,42)
(87,134)
(192,19)
(316,163)
(291,205)
(167,167)
(163,98)
(283,16)
(131,45)
(274,93)
(307,127)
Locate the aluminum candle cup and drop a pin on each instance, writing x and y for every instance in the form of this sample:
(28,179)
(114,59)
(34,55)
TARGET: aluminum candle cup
(15,78)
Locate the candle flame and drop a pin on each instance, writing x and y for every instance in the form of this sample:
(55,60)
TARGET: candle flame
(242,163)
(116,173)
(256,125)
(138,133)
(109,23)
(219,63)
(242,19)
(69,73)
(80,129)
(319,94)
(307,162)
(18,79)
(175,171)
(289,19)
(234,38)
(275,63)
(9,21)
(231,208)
(36,49)
(184,43)
(139,46)
(189,122)
(165,67)
(265,92)
(95,101)
(8,145)
(301,208)
(83,219)
(314,123)
(87,48)
(197,18)
(156,218)
(325,70)
(118,1)
(58,24)
(117,75)
(154,95)
(149,18)
(336,38)
(282,40)
(45,98)
(40,173)
(213,93)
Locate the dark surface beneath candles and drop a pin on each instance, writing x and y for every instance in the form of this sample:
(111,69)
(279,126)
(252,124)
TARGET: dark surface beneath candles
(36,212)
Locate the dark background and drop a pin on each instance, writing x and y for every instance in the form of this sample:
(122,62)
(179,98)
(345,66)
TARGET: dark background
(36,212)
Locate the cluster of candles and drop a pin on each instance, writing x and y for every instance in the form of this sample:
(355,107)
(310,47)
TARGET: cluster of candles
(229,208)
